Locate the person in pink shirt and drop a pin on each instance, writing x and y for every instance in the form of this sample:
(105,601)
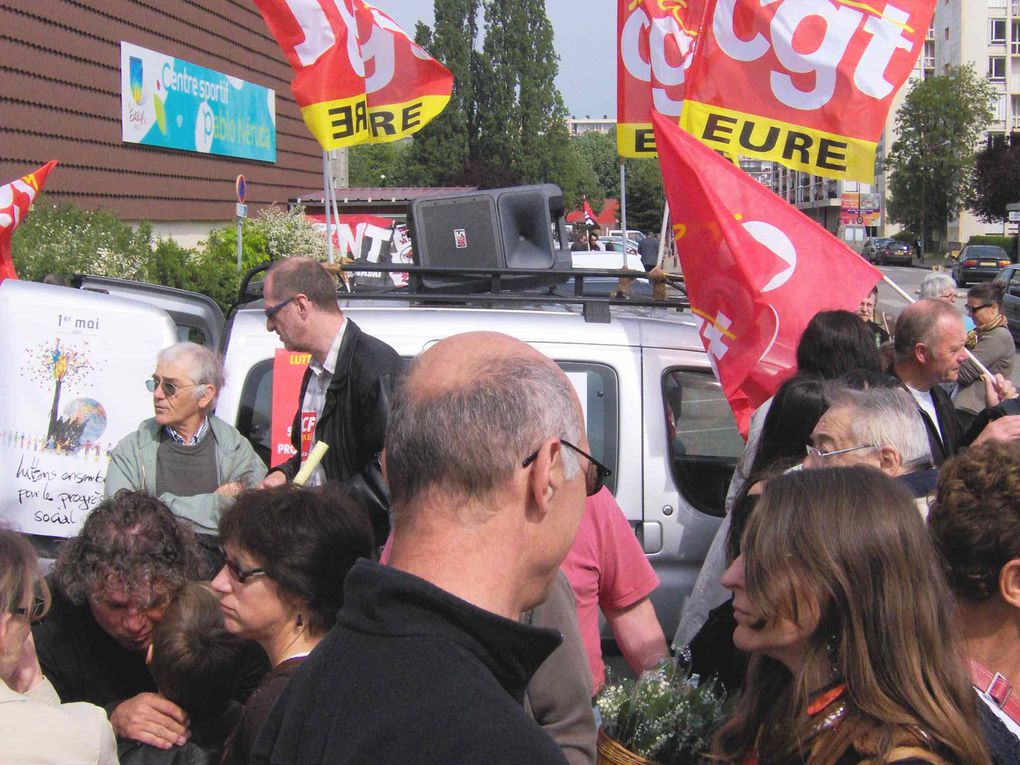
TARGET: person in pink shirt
(607,569)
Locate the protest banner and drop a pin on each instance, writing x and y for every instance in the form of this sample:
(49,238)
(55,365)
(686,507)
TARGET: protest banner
(805,83)
(288,371)
(655,42)
(16,199)
(75,365)
(756,269)
(358,77)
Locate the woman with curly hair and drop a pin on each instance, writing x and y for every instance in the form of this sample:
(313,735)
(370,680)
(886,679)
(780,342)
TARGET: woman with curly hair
(838,598)
(975,523)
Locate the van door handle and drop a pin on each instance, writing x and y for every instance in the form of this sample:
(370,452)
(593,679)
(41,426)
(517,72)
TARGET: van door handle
(651,536)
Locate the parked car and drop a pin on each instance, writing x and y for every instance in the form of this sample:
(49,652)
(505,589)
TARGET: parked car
(892,251)
(979,263)
(632,234)
(871,247)
(617,244)
(1009,277)
(655,413)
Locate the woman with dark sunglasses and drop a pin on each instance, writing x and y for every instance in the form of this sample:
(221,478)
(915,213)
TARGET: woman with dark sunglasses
(287,553)
(34,725)
(991,342)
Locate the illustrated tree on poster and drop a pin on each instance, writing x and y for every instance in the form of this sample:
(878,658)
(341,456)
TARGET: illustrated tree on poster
(58,364)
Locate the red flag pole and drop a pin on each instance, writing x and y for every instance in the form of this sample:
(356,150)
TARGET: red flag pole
(899,291)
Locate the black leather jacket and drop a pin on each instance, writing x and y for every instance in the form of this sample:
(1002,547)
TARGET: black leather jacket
(353,422)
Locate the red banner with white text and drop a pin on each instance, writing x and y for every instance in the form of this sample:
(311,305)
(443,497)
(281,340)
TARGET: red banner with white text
(806,83)
(756,268)
(655,42)
(288,370)
(358,77)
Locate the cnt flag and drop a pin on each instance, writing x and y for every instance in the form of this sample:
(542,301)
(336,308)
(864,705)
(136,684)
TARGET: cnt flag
(806,83)
(589,215)
(15,200)
(757,269)
(655,48)
(358,77)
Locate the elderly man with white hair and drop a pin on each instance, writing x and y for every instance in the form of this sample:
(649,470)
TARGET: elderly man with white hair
(880,427)
(193,461)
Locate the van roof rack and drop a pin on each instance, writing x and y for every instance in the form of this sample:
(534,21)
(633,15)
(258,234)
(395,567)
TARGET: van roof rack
(595,307)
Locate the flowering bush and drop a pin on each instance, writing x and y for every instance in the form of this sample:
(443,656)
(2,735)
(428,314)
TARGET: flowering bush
(664,715)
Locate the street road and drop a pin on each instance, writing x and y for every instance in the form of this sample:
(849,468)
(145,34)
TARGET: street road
(909,280)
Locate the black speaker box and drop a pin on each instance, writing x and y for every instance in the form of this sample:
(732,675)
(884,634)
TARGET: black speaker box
(496,228)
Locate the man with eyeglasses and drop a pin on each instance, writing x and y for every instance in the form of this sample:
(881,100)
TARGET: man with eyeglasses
(879,427)
(193,461)
(488,468)
(929,349)
(344,399)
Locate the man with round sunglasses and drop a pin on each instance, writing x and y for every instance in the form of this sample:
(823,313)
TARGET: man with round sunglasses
(193,461)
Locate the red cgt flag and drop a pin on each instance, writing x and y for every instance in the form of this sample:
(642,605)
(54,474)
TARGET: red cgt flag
(15,199)
(589,215)
(358,77)
(757,270)
(655,48)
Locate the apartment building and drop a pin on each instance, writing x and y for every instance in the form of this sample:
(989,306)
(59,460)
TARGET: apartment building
(986,34)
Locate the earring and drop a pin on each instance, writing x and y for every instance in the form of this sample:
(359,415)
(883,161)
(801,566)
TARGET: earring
(300,621)
(832,651)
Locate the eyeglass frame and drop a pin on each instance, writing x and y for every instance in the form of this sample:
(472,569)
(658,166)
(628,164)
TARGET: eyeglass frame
(239,574)
(973,309)
(169,389)
(813,451)
(601,471)
(271,312)
(34,612)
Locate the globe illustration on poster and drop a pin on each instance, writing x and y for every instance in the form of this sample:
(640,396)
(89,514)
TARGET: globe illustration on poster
(89,414)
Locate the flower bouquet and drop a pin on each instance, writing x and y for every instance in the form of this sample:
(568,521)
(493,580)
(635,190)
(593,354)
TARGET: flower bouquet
(664,717)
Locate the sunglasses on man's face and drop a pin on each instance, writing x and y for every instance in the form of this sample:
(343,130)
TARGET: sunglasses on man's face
(594,476)
(169,389)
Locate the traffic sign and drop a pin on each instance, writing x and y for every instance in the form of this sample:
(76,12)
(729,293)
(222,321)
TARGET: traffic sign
(1014,216)
(241,188)
(242,210)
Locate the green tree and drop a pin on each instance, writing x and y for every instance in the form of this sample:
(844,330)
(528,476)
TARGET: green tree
(646,196)
(598,151)
(67,240)
(939,126)
(442,148)
(997,178)
(379,164)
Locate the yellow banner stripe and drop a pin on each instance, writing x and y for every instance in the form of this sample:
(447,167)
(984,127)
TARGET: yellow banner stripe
(349,121)
(635,139)
(802,148)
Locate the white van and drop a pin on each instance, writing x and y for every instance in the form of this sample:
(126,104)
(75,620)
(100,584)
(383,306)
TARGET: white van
(655,413)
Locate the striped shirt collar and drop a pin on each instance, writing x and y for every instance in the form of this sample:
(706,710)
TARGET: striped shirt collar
(178,439)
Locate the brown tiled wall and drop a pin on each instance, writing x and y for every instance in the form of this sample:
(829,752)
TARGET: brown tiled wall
(60,99)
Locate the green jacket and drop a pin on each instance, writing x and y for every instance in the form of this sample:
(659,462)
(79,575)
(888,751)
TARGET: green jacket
(133,466)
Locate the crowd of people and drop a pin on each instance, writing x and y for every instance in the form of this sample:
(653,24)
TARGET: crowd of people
(433,595)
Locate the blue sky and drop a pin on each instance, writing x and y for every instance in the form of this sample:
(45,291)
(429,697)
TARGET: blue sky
(585,37)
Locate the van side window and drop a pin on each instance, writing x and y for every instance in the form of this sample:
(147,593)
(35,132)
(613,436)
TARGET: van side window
(255,411)
(703,441)
(596,385)
(597,388)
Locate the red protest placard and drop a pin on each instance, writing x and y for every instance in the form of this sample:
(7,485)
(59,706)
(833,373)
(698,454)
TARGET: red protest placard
(288,369)
(655,43)
(358,77)
(806,83)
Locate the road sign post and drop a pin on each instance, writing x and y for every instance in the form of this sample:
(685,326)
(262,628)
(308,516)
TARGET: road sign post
(240,212)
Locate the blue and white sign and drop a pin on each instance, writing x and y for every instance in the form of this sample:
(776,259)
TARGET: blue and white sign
(169,102)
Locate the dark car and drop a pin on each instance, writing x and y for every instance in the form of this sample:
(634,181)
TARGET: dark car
(979,263)
(871,247)
(1009,278)
(892,251)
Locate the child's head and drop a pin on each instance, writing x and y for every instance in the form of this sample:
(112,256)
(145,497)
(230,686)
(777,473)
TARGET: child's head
(193,659)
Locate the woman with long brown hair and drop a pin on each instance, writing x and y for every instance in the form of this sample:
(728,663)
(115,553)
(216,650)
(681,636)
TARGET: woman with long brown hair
(839,599)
